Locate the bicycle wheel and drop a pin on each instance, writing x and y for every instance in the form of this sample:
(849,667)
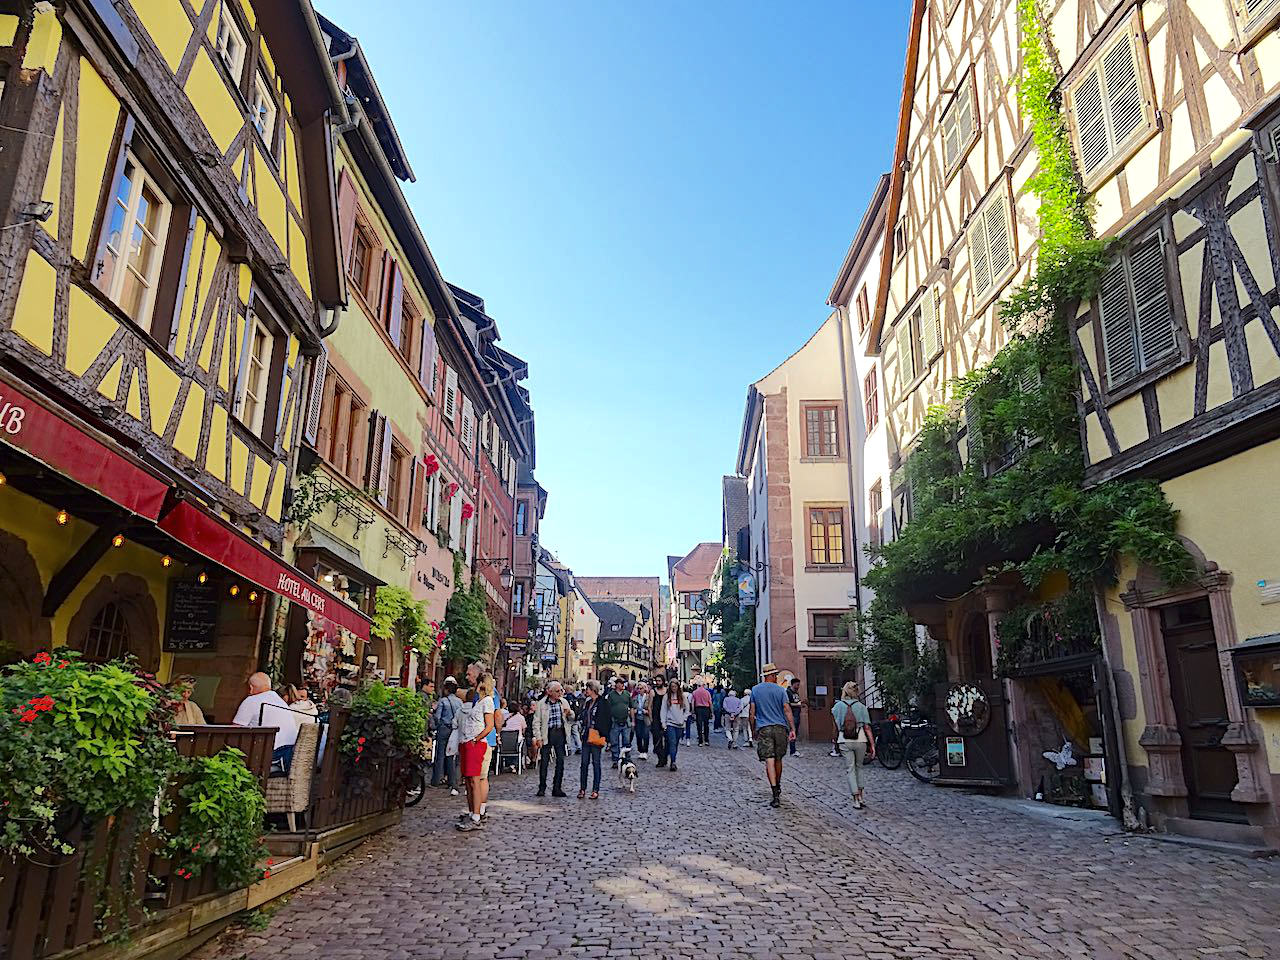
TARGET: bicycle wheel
(417,788)
(923,761)
(890,753)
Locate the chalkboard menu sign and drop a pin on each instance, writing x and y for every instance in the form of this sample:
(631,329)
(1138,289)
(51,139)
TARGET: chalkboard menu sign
(192,622)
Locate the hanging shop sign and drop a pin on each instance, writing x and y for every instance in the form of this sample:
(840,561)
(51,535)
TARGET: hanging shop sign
(746,589)
(955,751)
(191,616)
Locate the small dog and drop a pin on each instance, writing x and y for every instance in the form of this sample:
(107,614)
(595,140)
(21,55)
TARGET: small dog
(628,774)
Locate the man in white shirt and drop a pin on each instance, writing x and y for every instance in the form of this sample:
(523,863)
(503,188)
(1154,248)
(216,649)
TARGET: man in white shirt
(263,707)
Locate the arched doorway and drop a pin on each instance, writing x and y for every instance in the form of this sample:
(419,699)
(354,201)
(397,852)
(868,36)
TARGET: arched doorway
(23,630)
(117,618)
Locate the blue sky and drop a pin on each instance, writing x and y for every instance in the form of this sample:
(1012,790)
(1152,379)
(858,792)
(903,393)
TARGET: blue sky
(653,198)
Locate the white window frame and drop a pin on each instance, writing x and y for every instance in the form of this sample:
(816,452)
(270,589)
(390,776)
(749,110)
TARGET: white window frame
(229,27)
(263,102)
(255,418)
(996,208)
(122,267)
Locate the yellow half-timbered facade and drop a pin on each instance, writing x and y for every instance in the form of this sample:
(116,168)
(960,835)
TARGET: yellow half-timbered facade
(171,267)
(1172,108)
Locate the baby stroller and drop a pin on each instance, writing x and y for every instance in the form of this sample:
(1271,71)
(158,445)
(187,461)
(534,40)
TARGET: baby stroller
(511,750)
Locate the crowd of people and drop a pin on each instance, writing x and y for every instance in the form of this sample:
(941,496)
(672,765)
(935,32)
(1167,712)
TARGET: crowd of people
(632,721)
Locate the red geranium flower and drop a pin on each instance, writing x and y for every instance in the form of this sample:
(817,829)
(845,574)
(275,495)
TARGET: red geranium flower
(43,659)
(63,664)
(361,740)
(29,716)
(41,703)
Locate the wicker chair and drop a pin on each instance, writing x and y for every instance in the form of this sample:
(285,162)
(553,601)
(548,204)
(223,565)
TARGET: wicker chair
(291,794)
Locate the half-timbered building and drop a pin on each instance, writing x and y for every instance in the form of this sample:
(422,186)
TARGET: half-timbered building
(1174,123)
(1174,112)
(170,271)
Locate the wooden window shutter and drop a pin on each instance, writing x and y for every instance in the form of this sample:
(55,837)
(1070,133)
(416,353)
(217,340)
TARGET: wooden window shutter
(1253,9)
(1153,314)
(906,355)
(1125,108)
(455,521)
(346,216)
(979,261)
(1090,122)
(427,358)
(931,324)
(999,247)
(1116,317)
(417,494)
(957,123)
(466,429)
(319,374)
(394,309)
(379,454)
(450,394)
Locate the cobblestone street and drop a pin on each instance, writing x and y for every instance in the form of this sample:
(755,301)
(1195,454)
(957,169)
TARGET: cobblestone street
(696,864)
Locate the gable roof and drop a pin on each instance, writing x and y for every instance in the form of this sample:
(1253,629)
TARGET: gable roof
(695,569)
(605,588)
(611,615)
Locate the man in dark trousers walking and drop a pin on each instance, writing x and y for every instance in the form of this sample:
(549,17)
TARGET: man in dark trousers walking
(552,718)
(655,719)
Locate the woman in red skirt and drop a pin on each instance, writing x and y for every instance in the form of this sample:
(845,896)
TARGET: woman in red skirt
(475,722)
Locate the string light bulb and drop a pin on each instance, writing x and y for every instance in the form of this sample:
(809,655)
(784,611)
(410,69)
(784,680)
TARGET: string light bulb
(203,578)
(3,479)
(166,560)
(62,518)
(235,590)
(253,596)
(118,540)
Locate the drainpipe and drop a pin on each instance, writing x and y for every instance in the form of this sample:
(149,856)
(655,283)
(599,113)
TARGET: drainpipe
(854,499)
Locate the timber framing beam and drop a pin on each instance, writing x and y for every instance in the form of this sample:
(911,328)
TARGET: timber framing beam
(82,561)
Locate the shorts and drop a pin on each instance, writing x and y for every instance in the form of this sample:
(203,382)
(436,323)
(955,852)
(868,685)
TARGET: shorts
(771,741)
(488,758)
(472,758)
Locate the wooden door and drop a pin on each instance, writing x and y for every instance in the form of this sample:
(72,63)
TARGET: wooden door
(827,676)
(1195,680)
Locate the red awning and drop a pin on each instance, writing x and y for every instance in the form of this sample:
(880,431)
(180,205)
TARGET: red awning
(223,544)
(33,427)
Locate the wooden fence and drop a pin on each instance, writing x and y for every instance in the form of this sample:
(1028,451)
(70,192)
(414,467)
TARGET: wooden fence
(340,798)
(50,903)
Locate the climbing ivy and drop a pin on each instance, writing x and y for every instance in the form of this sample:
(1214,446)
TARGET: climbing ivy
(1000,471)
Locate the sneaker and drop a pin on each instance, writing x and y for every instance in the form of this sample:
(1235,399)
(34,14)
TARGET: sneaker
(661,764)
(453,791)
(542,792)
(642,756)
(672,768)
(469,825)
(796,754)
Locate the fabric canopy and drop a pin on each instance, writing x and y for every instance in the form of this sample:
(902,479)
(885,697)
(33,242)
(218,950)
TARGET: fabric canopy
(216,540)
(34,428)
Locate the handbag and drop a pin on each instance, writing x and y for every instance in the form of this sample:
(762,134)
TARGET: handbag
(595,738)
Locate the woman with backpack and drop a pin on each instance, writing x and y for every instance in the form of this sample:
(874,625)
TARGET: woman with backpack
(444,764)
(855,741)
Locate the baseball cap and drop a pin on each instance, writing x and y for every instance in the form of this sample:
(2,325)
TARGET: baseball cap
(450,679)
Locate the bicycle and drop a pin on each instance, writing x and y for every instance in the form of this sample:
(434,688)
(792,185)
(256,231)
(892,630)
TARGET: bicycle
(922,757)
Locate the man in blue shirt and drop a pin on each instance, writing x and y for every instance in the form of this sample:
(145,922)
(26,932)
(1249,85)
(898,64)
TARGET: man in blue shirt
(774,726)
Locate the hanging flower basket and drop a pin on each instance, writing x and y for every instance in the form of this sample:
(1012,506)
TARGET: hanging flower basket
(468,511)
(431,465)
(450,490)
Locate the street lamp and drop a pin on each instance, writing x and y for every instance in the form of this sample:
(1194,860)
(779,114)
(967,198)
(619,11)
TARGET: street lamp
(507,577)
